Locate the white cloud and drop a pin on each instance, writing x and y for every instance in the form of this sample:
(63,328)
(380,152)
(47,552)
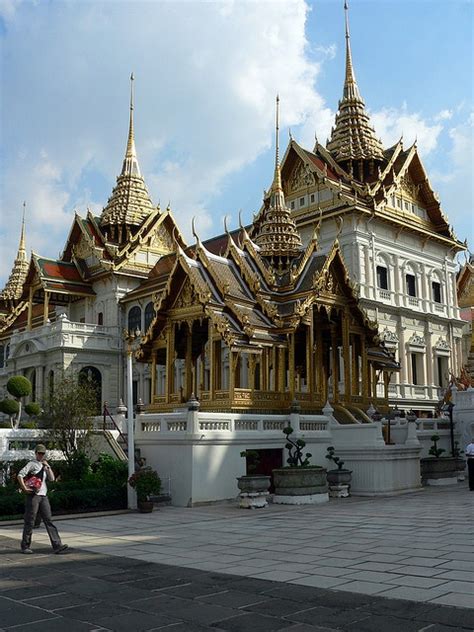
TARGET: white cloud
(444,115)
(392,123)
(8,9)
(206,81)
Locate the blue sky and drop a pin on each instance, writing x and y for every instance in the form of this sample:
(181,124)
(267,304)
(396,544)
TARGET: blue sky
(206,79)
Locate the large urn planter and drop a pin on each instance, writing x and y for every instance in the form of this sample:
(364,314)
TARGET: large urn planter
(253,491)
(145,506)
(439,470)
(300,485)
(339,482)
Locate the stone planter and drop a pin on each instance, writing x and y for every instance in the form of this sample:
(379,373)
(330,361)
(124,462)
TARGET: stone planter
(145,506)
(339,482)
(253,491)
(439,471)
(300,485)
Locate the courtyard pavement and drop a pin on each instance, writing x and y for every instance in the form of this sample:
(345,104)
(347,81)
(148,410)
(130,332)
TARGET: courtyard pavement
(397,563)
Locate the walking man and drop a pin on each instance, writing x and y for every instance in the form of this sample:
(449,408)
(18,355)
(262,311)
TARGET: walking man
(32,480)
(470,463)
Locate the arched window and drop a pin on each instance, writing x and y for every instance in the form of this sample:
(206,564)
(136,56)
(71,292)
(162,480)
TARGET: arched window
(91,375)
(2,356)
(135,319)
(149,314)
(100,318)
(51,383)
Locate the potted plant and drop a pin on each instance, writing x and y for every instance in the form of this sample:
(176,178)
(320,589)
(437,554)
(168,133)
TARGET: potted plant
(146,482)
(253,487)
(339,479)
(437,469)
(300,483)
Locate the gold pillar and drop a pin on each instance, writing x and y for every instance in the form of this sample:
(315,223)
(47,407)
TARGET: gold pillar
(188,363)
(170,361)
(281,382)
(310,355)
(275,370)
(210,351)
(45,307)
(346,355)
(153,376)
(335,364)
(291,366)
(252,361)
(365,367)
(354,367)
(233,362)
(30,309)
(320,377)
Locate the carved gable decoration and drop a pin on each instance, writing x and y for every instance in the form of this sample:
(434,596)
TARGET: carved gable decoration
(82,249)
(409,187)
(443,345)
(301,178)
(187,297)
(162,240)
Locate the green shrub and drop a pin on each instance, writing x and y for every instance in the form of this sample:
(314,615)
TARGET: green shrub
(32,409)
(111,471)
(9,407)
(19,386)
(146,482)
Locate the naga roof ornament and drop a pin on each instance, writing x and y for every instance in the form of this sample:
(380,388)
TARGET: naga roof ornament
(277,235)
(353,137)
(130,203)
(14,286)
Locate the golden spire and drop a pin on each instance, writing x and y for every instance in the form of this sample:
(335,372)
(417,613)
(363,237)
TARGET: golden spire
(14,286)
(351,89)
(353,138)
(277,236)
(130,163)
(130,204)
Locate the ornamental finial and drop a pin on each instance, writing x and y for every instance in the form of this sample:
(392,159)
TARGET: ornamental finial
(130,164)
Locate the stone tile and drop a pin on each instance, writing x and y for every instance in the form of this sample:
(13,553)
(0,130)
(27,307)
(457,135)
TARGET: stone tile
(377,623)
(278,607)
(279,575)
(20,594)
(457,565)
(136,621)
(423,561)
(58,625)
(16,613)
(371,576)
(462,617)
(456,599)
(318,581)
(466,556)
(467,576)
(61,600)
(460,587)
(331,617)
(254,622)
(376,566)
(92,613)
(415,594)
(329,571)
(419,571)
(417,582)
(365,587)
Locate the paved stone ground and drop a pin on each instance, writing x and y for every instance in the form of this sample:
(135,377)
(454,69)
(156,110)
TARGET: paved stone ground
(417,547)
(90,592)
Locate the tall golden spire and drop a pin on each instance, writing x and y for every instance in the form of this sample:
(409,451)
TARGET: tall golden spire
(14,286)
(353,138)
(130,204)
(130,163)
(277,236)
(351,90)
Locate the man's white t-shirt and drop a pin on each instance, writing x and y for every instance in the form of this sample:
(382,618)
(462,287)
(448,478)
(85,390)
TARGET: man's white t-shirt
(33,468)
(470,449)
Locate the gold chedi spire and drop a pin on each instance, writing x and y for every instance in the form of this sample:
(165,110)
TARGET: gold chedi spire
(14,286)
(353,138)
(277,236)
(130,204)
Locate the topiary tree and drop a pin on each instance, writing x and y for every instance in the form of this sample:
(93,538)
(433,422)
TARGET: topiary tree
(11,408)
(18,386)
(33,409)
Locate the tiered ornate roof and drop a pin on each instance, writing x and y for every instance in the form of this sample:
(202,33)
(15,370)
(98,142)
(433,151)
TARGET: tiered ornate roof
(14,286)
(353,138)
(130,204)
(277,236)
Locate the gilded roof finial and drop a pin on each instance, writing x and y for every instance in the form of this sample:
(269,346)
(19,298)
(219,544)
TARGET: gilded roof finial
(350,85)
(277,180)
(22,246)
(130,164)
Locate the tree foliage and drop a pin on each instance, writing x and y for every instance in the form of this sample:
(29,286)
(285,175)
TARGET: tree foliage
(19,386)
(9,407)
(68,413)
(32,409)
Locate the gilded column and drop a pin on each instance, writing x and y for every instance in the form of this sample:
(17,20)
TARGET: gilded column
(346,354)
(319,377)
(45,307)
(335,362)
(170,361)
(153,376)
(365,367)
(310,355)
(210,351)
(291,365)
(281,382)
(188,362)
(30,309)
